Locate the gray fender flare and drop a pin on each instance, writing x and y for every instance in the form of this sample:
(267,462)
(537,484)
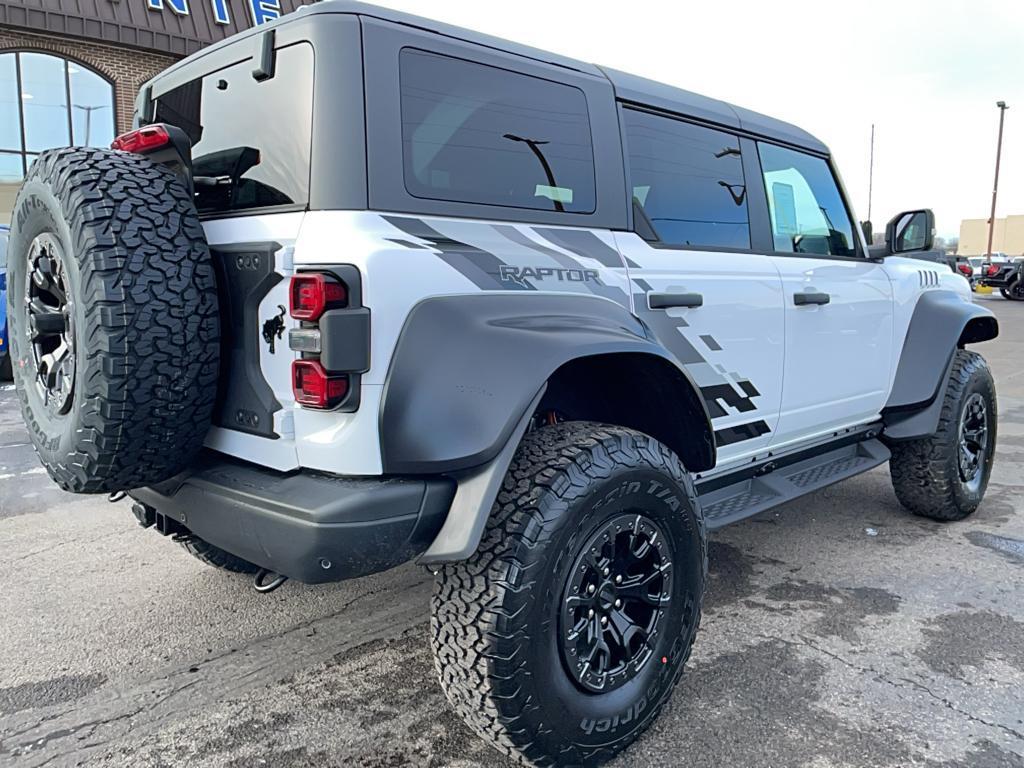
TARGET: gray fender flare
(941,323)
(467,374)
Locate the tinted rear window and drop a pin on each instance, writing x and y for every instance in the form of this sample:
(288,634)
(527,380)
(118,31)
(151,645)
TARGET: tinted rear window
(688,180)
(250,140)
(473,133)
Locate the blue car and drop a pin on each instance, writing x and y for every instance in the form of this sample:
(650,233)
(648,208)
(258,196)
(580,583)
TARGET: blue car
(5,357)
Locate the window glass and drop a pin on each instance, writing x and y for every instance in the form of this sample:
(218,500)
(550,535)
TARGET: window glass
(688,180)
(10,125)
(250,139)
(50,94)
(44,100)
(807,210)
(10,168)
(478,134)
(92,109)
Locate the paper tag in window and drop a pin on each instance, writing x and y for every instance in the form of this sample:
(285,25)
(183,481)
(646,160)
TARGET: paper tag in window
(555,194)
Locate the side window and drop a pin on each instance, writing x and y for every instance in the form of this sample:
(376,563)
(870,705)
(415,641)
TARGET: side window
(250,140)
(807,210)
(688,180)
(473,133)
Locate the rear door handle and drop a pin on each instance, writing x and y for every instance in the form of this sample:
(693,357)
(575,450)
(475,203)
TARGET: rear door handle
(669,300)
(806,297)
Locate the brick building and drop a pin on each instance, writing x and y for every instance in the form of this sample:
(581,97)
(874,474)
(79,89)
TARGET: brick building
(70,69)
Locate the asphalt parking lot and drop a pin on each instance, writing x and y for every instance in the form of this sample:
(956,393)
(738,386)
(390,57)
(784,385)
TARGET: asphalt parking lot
(839,631)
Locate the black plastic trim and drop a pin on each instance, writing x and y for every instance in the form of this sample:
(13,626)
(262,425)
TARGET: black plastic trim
(245,273)
(466,367)
(938,321)
(307,526)
(776,461)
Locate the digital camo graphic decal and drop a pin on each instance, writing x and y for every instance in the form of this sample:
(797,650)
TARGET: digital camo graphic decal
(724,394)
(505,257)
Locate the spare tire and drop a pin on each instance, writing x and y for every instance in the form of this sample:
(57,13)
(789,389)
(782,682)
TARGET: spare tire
(114,323)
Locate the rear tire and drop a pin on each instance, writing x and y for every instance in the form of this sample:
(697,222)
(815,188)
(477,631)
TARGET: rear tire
(582,504)
(6,372)
(944,476)
(1014,292)
(114,324)
(217,557)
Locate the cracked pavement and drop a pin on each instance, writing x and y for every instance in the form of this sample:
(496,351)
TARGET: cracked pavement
(839,631)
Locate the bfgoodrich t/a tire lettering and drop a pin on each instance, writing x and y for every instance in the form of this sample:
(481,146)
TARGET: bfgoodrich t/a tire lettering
(503,648)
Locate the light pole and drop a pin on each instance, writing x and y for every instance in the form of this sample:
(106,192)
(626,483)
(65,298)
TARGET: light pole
(995,186)
(871,171)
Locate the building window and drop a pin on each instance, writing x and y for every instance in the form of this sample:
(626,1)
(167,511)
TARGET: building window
(47,101)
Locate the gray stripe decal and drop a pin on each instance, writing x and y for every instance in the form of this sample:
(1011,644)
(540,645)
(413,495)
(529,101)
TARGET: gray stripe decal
(710,341)
(481,267)
(598,287)
(583,243)
(741,432)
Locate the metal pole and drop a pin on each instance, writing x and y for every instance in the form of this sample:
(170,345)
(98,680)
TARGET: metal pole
(995,187)
(871,172)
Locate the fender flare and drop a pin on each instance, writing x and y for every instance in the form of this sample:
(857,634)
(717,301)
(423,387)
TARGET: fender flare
(467,374)
(942,322)
(466,367)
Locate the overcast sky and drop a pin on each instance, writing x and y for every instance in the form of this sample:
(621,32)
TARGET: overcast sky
(927,73)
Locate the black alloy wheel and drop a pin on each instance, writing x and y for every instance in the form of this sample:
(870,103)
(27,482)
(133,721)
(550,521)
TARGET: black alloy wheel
(615,597)
(51,330)
(973,443)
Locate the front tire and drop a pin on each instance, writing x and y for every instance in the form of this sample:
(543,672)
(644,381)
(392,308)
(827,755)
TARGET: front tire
(562,637)
(944,476)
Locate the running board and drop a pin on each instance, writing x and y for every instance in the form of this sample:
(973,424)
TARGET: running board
(773,487)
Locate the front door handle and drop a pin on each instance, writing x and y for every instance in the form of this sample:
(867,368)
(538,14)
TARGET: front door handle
(669,300)
(806,297)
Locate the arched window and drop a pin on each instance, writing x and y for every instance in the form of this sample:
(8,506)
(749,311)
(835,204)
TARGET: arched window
(48,101)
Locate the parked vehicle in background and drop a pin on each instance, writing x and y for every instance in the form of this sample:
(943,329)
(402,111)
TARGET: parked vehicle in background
(537,325)
(5,352)
(1007,276)
(963,267)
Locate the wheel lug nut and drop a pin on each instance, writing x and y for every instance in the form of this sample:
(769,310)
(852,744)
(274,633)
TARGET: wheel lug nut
(604,621)
(590,613)
(618,579)
(618,603)
(607,571)
(591,589)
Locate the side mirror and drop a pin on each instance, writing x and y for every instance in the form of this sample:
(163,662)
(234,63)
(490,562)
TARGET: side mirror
(910,231)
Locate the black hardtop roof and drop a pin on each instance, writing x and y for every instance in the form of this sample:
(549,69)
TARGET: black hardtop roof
(629,88)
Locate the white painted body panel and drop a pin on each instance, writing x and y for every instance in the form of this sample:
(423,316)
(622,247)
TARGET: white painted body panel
(839,356)
(743,315)
(398,270)
(815,369)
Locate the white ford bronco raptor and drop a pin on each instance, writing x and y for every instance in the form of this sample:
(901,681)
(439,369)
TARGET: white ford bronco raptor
(364,289)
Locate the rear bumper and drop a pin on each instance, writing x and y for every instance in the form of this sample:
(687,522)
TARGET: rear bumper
(1003,280)
(308,526)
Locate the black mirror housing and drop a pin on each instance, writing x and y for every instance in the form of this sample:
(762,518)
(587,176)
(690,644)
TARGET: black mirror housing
(910,231)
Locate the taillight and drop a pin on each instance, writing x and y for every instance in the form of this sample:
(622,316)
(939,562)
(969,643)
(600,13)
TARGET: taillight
(314,387)
(992,270)
(312,294)
(142,139)
(965,269)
